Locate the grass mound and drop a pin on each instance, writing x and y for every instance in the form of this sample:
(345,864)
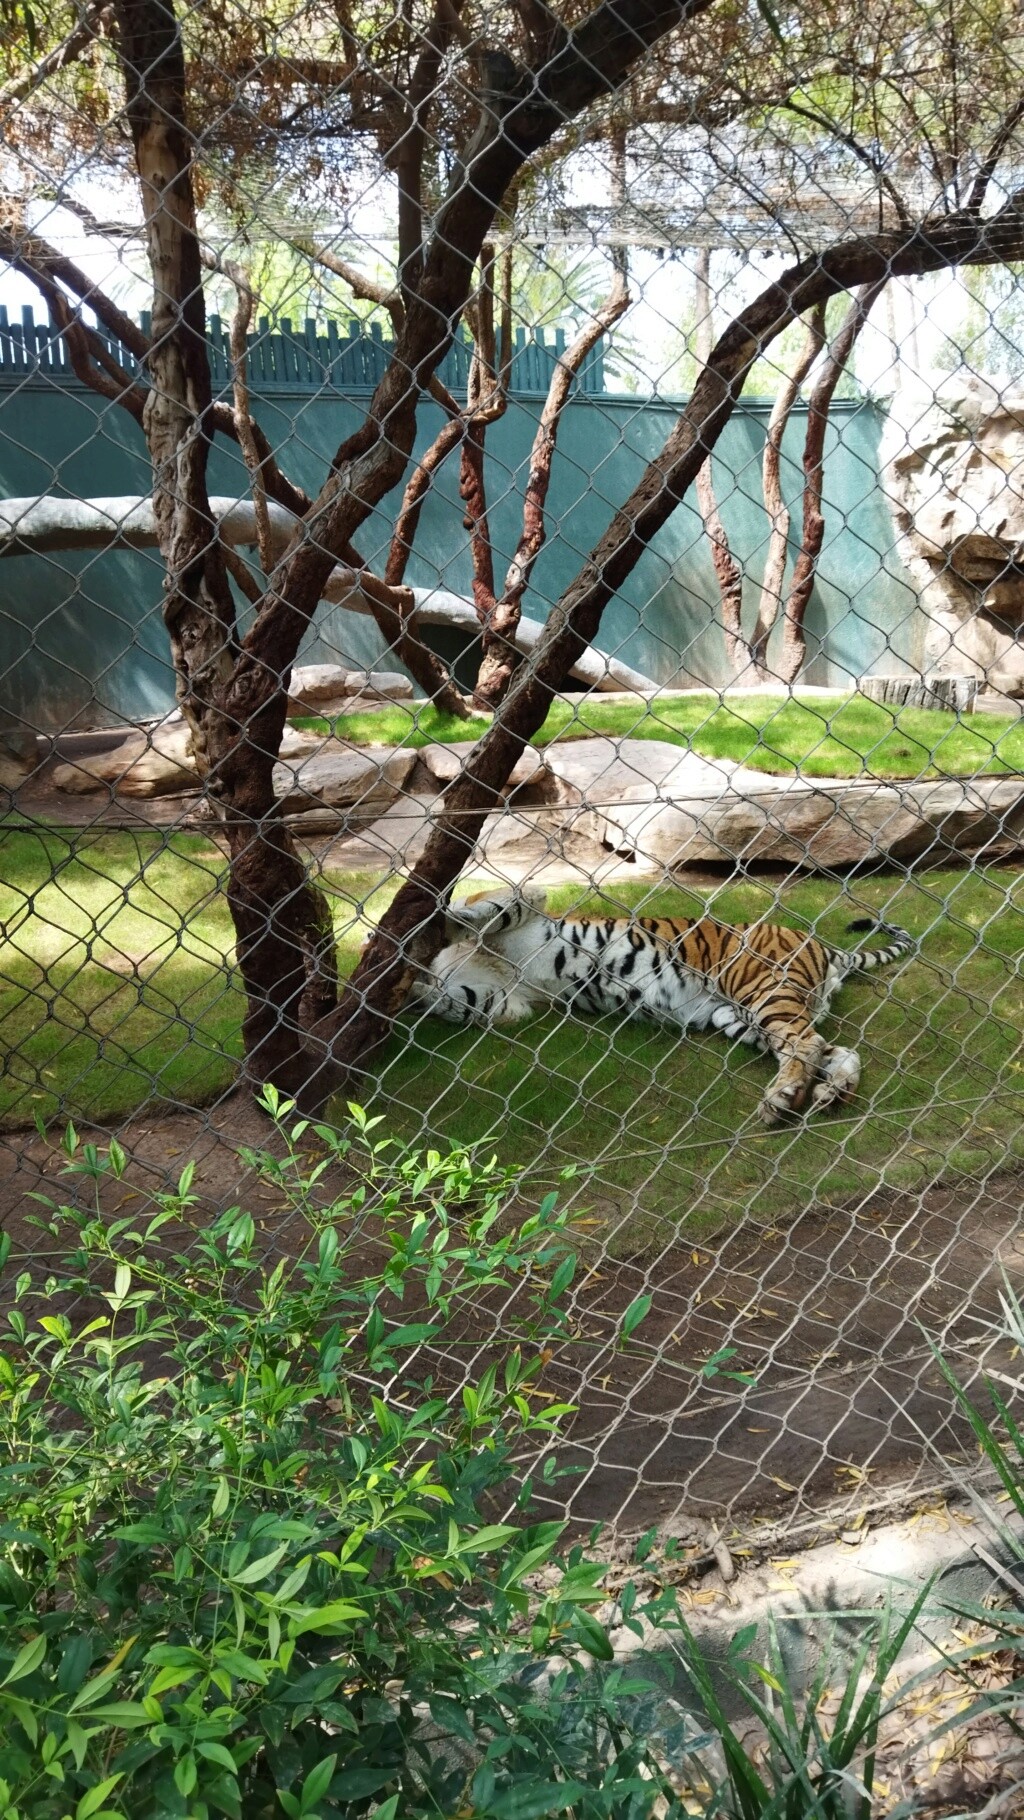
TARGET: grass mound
(116,984)
(837,736)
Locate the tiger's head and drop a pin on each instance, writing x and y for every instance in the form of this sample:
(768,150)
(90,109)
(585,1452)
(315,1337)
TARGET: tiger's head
(496,911)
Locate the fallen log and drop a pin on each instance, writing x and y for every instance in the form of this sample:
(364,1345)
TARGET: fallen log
(38,525)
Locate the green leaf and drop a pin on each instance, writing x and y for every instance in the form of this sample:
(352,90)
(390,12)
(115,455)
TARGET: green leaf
(324,1617)
(217,1753)
(122,1281)
(533,1799)
(221,1497)
(413,1334)
(75,1664)
(635,1313)
(26,1661)
(483,1541)
(94,1797)
(355,1784)
(98,1686)
(562,1278)
(317,1783)
(593,1636)
(261,1569)
(186,1774)
(125,1714)
(25,1715)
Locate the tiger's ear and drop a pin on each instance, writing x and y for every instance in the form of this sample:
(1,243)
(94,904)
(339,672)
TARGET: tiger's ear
(498,909)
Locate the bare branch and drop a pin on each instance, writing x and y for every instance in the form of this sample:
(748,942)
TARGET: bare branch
(1007,128)
(793,641)
(277,485)
(95,20)
(447,440)
(240,572)
(774,501)
(37,259)
(499,654)
(243,403)
(91,361)
(728,573)
(485,403)
(406,157)
(859,151)
(370,290)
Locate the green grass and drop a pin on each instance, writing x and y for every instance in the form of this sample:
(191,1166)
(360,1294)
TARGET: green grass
(115,985)
(115,975)
(832,736)
(941,1038)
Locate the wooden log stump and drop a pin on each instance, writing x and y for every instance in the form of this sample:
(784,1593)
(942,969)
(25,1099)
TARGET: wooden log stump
(956,694)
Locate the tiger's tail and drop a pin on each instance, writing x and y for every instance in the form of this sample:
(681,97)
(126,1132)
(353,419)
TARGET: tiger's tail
(865,960)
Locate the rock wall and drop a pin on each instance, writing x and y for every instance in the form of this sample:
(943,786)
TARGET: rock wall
(953,471)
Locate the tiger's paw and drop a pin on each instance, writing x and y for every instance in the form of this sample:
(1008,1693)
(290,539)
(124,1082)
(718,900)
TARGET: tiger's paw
(775,1108)
(839,1079)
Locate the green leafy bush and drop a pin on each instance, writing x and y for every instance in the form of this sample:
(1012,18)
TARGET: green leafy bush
(245,1566)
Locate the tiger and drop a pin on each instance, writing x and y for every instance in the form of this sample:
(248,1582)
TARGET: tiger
(758,983)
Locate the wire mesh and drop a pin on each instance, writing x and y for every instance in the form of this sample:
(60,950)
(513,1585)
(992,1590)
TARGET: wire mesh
(464,304)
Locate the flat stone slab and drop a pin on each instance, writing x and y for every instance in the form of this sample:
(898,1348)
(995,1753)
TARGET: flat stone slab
(331,689)
(156,761)
(649,801)
(532,781)
(342,784)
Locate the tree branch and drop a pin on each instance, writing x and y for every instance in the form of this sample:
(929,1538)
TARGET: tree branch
(91,360)
(499,656)
(370,290)
(775,505)
(95,18)
(728,573)
(446,441)
(1007,128)
(36,259)
(859,151)
(244,422)
(794,644)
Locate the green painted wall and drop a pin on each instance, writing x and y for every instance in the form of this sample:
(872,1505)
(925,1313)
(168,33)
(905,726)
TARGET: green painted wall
(81,636)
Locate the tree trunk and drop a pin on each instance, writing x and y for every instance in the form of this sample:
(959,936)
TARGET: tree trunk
(794,642)
(280,918)
(774,500)
(727,570)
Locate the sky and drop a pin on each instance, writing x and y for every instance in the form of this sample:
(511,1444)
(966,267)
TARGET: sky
(906,342)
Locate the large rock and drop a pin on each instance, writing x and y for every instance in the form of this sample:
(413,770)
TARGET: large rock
(154,762)
(532,782)
(331,689)
(157,762)
(953,470)
(342,785)
(689,811)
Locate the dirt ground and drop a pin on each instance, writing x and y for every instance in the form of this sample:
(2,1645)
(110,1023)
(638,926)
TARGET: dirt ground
(830,1318)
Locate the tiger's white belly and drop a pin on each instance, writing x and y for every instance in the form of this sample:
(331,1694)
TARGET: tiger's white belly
(545,963)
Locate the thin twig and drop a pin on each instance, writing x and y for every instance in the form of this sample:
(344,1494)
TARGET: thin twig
(243,403)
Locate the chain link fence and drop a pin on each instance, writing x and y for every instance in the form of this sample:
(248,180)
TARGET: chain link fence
(364,549)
